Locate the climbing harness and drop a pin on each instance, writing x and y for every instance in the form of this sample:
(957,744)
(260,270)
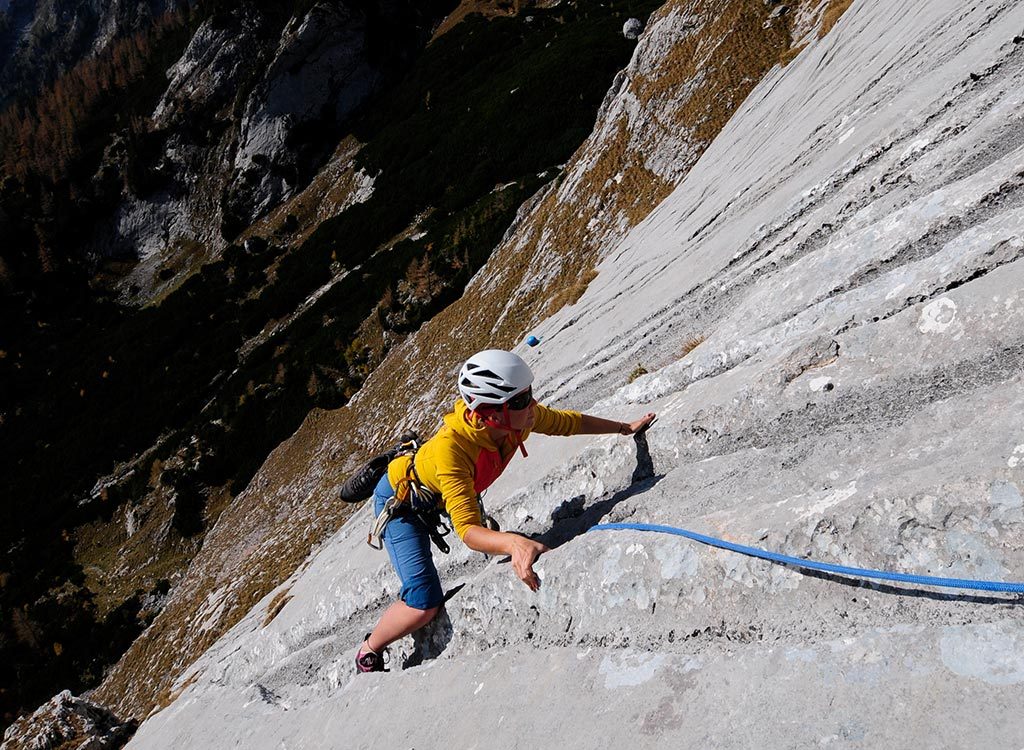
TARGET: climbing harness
(420,502)
(431,520)
(411,496)
(843,570)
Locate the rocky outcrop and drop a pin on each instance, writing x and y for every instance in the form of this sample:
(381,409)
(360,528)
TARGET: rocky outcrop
(849,250)
(250,116)
(174,225)
(322,70)
(250,537)
(214,65)
(67,721)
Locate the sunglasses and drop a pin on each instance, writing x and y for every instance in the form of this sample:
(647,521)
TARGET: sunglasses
(521,400)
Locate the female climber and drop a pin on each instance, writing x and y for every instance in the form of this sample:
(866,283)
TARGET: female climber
(495,415)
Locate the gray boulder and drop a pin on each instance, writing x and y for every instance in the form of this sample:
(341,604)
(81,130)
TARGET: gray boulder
(633,28)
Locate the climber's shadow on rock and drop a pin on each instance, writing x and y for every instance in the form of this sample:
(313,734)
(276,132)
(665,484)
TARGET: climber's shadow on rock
(573,517)
(430,641)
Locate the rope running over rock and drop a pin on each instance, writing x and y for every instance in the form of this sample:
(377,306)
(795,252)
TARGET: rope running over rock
(843,570)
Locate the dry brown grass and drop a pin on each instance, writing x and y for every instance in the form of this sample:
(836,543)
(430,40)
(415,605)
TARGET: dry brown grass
(156,470)
(833,13)
(572,293)
(692,343)
(116,566)
(733,53)
(276,605)
(168,697)
(617,182)
(217,500)
(184,258)
(636,372)
(791,54)
(486,8)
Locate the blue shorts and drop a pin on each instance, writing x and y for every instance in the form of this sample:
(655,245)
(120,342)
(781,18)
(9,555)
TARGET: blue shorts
(408,545)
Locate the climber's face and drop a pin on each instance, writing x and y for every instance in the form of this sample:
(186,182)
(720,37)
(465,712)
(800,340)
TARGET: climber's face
(516,414)
(522,419)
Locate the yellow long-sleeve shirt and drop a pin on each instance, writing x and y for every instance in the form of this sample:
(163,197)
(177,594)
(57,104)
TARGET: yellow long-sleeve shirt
(461,460)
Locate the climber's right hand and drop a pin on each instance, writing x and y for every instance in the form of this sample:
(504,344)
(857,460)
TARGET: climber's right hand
(522,550)
(524,554)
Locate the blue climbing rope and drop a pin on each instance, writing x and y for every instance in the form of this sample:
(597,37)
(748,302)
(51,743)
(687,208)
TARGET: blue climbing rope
(843,570)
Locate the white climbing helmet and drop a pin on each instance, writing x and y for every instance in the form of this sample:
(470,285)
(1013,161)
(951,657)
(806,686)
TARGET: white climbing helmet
(493,376)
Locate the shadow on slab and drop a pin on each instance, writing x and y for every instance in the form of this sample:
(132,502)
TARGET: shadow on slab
(1013,600)
(430,641)
(573,518)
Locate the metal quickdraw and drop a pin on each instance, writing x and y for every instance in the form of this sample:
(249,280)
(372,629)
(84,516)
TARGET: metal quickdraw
(488,521)
(409,445)
(385,515)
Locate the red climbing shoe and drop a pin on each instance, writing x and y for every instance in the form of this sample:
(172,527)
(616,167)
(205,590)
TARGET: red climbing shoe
(370,661)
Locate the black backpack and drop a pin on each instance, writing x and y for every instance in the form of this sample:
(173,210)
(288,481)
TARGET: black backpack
(363,481)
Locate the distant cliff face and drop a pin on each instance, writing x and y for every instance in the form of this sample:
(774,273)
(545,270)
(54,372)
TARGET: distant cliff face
(41,38)
(251,111)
